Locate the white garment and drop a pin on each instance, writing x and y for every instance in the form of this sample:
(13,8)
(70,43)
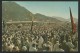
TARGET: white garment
(56,46)
(10,48)
(30,46)
(32,49)
(70,44)
(17,48)
(24,48)
(18,41)
(41,40)
(60,50)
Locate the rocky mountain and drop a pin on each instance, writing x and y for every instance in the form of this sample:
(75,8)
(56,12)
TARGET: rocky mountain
(15,12)
(59,18)
(41,17)
(12,11)
(65,20)
(75,20)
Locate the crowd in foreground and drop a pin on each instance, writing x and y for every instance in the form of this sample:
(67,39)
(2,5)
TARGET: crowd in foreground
(41,38)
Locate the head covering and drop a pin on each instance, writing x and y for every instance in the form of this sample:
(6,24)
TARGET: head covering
(57,41)
(64,41)
(24,48)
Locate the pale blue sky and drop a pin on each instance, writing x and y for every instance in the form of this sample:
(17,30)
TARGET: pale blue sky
(51,8)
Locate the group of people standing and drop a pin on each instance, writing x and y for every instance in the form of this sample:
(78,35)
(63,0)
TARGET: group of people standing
(53,38)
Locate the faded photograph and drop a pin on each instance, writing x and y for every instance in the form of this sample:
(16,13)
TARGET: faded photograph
(39,26)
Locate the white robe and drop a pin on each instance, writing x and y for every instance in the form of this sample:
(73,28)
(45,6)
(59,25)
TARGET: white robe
(56,47)
(24,48)
(32,49)
(41,40)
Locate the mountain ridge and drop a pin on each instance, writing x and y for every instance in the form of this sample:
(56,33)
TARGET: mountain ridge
(15,12)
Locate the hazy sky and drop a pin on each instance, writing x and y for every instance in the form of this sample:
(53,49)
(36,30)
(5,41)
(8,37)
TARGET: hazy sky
(52,8)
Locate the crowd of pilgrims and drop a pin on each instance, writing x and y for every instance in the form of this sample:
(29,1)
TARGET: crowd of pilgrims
(45,37)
